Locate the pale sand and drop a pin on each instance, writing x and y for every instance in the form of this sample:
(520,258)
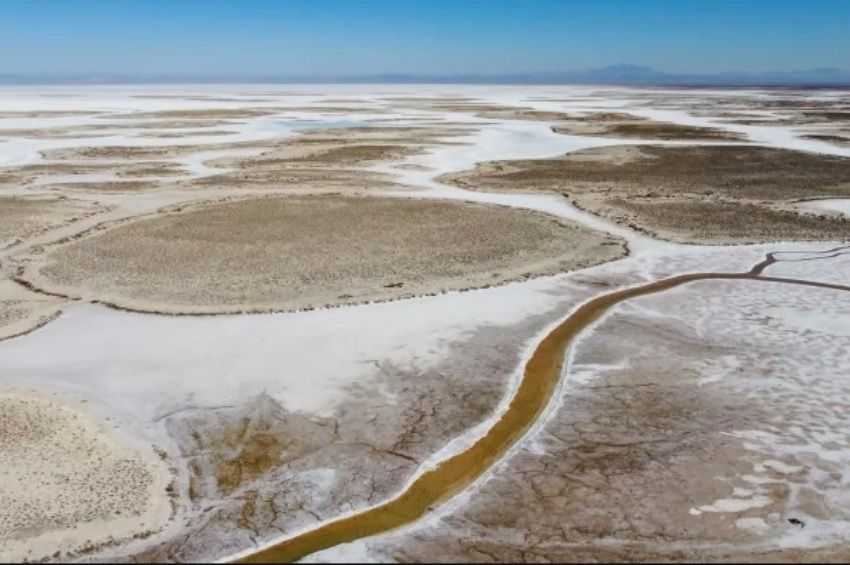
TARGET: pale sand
(68,486)
(271,254)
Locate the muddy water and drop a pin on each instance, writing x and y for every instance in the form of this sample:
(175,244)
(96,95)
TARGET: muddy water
(541,376)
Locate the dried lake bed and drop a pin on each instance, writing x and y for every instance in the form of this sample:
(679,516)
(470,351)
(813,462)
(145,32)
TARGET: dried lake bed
(281,315)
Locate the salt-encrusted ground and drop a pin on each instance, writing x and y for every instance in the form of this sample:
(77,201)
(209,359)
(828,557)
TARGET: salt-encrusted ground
(275,423)
(707,422)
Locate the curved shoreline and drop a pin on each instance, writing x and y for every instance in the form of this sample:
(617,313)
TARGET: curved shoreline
(541,375)
(606,248)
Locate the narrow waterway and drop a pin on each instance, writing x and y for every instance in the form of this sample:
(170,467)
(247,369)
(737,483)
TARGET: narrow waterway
(541,376)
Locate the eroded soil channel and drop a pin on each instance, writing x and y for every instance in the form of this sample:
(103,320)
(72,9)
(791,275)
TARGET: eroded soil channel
(541,376)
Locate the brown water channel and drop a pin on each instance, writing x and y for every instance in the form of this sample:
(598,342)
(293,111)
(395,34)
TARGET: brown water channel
(542,374)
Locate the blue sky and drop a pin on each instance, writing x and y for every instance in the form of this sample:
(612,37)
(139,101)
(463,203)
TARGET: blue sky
(344,37)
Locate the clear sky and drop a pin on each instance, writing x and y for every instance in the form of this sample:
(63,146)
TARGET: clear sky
(344,37)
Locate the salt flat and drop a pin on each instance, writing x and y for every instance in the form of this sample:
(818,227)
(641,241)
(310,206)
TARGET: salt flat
(258,427)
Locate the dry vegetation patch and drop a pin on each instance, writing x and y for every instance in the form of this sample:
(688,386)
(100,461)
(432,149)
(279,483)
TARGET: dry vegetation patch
(297,180)
(205,113)
(50,133)
(327,159)
(525,114)
(478,108)
(22,217)
(615,124)
(43,172)
(150,169)
(105,187)
(128,152)
(21,310)
(717,221)
(695,193)
(287,253)
(180,134)
(35,114)
(315,160)
(168,124)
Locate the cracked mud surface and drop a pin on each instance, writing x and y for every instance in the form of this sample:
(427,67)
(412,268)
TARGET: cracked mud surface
(678,450)
(258,470)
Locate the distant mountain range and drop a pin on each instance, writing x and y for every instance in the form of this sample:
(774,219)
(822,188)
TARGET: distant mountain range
(626,75)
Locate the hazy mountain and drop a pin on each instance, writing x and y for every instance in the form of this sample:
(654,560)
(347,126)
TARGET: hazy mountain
(624,74)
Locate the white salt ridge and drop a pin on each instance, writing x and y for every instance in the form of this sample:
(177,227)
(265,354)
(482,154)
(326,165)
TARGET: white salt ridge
(840,205)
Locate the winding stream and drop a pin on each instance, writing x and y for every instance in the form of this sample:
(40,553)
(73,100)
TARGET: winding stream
(542,373)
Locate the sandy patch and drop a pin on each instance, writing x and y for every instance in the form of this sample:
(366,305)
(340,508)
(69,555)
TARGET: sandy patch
(68,486)
(298,252)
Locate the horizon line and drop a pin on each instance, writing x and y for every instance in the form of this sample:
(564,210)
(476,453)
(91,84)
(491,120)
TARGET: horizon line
(612,75)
